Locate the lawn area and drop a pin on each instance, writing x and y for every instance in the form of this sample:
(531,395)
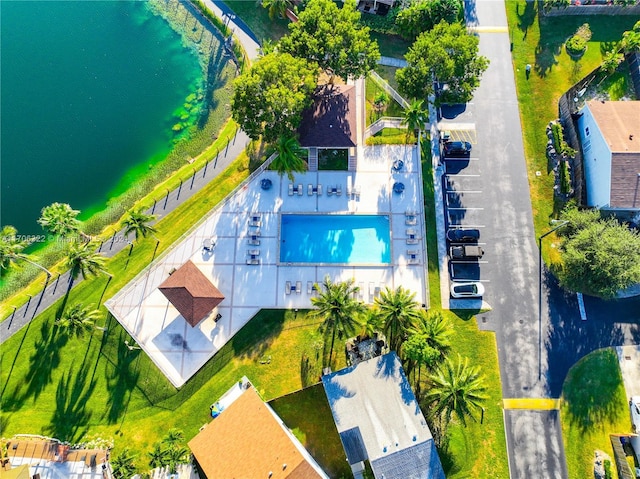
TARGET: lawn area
(594,405)
(539,41)
(308,415)
(257,19)
(393,46)
(393,108)
(67,388)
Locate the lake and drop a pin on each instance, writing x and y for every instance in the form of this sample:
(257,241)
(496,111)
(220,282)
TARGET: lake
(89,93)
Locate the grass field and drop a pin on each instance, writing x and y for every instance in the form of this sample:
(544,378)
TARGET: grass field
(594,406)
(539,41)
(257,19)
(393,108)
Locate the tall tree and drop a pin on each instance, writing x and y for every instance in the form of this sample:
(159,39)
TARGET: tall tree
(277,8)
(11,247)
(415,116)
(429,341)
(268,100)
(446,54)
(600,258)
(137,221)
(78,320)
(123,465)
(456,389)
(289,159)
(631,39)
(333,38)
(84,259)
(338,309)
(423,15)
(398,311)
(60,219)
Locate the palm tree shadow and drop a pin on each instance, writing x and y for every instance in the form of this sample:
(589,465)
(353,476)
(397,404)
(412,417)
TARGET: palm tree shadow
(71,416)
(527,17)
(121,380)
(44,359)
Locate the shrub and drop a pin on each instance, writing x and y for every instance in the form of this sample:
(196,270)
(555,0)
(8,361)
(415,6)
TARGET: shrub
(607,469)
(577,44)
(565,177)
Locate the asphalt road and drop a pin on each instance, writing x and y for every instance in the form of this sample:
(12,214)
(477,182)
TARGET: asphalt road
(536,346)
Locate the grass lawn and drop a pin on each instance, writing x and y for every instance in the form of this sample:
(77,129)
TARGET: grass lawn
(257,18)
(393,46)
(594,406)
(539,42)
(308,415)
(393,108)
(68,387)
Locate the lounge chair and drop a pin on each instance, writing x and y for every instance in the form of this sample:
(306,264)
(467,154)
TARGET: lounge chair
(310,189)
(361,291)
(298,287)
(300,189)
(319,190)
(410,220)
(255,224)
(253,261)
(413,240)
(208,244)
(338,191)
(330,191)
(411,232)
(253,242)
(412,252)
(356,192)
(413,260)
(287,287)
(290,189)
(253,252)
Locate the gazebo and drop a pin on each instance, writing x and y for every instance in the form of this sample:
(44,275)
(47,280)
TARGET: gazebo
(191,293)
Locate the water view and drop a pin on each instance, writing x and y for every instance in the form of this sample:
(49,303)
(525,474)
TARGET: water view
(89,96)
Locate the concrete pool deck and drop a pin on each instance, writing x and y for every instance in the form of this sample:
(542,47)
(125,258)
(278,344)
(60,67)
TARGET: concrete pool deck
(180,350)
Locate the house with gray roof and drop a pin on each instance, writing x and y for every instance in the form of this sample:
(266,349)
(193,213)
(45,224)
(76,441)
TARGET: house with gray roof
(379,420)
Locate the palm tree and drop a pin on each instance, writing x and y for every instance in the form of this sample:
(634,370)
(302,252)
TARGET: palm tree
(456,389)
(370,323)
(157,456)
(11,247)
(415,117)
(289,157)
(60,219)
(337,308)
(173,437)
(277,7)
(398,311)
(122,465)
(138,222)
(79,320)
(83,258)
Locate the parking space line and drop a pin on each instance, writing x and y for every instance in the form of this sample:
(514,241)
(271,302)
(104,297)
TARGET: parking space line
(455,208)
(466,226)
(463,280)
(458,175)
(451,192)
(453,261)
(461,158)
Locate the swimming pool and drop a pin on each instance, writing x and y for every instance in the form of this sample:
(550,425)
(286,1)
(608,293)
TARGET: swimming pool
(335,239)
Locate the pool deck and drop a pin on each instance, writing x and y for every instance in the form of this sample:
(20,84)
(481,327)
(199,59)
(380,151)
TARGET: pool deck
(180,350)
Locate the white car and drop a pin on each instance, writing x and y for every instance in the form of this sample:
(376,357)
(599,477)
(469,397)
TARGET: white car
(634,406)
(473,289)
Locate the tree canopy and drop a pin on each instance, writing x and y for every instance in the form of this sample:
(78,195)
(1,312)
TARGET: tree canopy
(333,38)
(447,54)
(599,256)
(426,14)
(269,99)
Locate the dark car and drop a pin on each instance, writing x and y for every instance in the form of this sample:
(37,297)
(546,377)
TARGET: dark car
(466,252)
(456,148)
(459,235)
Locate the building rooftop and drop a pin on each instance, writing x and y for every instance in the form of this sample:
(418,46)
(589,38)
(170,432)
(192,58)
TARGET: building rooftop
(378,418)
(619,122)
(331,120)
(248,440)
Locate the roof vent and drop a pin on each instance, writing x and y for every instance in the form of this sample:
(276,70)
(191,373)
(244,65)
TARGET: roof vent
(415,438)
(384,449)
(631,137)
(270,474)
(284,466)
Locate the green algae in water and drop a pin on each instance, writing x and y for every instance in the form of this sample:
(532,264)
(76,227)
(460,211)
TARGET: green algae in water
(88,95)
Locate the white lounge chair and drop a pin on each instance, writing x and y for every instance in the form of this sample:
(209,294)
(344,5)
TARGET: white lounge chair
(300,189)
(310,189)
(253,242)
(253,252)
(338,190)
(413,240)
(290,189)
(287,287)
(319,190)
(253,261)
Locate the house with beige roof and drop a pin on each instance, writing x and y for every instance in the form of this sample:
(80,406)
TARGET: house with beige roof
(247,440)
(610,136)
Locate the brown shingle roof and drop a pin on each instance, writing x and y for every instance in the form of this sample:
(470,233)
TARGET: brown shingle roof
(191,293)
(246,441)
(331,120)
(619,122)
(625,180)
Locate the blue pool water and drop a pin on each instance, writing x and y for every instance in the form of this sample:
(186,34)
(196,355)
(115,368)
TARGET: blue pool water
(337,239)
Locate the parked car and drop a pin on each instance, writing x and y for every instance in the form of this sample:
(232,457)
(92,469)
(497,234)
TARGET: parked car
(466,252)
(472,289)
(456,148)
(459,235)
(634,406)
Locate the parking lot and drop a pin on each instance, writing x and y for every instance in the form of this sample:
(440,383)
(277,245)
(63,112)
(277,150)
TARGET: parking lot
(463,186)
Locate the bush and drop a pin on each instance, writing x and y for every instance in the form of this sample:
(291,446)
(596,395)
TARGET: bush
(565,177)
(607,469)
(577,44)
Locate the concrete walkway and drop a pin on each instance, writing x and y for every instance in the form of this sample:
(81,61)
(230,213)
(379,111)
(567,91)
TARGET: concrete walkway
(629,357)
(58,286)
(393,62)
